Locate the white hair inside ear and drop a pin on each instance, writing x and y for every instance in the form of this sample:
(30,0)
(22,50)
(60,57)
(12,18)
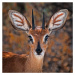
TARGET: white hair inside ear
(58,19)
(18,20)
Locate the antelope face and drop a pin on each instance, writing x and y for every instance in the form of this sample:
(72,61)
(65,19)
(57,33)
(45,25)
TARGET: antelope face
(38,35)
(38,39)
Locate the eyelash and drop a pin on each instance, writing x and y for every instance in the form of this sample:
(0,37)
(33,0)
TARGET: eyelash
(46,38)
(30,39)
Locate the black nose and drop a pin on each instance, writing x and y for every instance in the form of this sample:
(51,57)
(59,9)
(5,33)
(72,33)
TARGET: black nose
(38,50)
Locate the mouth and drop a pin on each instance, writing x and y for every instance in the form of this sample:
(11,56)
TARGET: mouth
(39,54)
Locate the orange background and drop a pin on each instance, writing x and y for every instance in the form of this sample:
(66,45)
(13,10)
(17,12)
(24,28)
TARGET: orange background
(59,55)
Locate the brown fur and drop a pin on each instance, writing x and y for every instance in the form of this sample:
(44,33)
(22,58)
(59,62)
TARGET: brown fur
(13,62)
(21,63)
(33,64)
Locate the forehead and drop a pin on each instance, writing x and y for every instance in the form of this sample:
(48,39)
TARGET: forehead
(38,31)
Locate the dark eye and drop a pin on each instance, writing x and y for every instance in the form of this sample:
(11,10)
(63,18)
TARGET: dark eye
(46,38)
(30,39)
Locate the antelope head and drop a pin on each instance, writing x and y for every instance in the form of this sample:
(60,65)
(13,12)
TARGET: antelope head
(38,35)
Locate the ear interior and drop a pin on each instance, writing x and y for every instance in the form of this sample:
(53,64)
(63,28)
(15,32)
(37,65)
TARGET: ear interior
(58,19)
(18,20)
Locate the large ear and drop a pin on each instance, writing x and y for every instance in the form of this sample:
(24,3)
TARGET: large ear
(19,21)
(58,19)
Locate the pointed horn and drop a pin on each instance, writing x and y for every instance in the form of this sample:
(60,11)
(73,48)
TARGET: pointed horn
(33,25)
(43,22)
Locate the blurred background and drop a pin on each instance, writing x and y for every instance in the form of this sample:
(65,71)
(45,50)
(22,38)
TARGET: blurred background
(59,55)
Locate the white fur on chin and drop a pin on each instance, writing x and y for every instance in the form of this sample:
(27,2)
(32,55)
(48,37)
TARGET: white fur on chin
(39,56)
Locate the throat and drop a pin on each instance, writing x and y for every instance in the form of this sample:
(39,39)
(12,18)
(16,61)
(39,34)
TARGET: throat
(34,63)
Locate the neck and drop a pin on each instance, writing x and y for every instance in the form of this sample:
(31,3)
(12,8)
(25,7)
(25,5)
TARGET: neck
(33,63)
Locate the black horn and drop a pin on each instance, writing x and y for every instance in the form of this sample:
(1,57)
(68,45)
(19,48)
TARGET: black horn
(43,22)
(33,25)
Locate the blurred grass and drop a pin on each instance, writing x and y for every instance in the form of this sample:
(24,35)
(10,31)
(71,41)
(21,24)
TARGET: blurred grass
(59,55)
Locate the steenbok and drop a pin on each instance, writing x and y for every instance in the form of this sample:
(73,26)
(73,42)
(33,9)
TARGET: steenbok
(38,41)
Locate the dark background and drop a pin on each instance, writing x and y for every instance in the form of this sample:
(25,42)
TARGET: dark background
(59,55)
